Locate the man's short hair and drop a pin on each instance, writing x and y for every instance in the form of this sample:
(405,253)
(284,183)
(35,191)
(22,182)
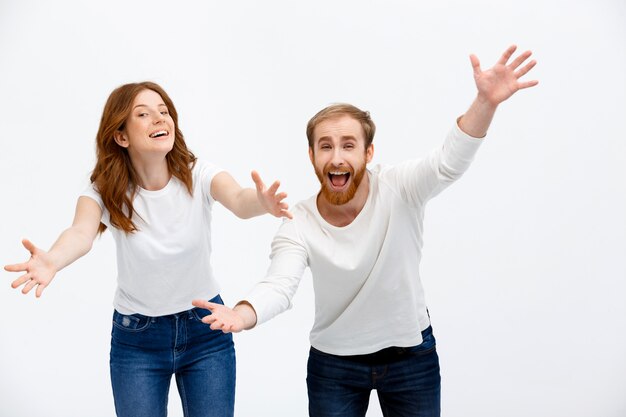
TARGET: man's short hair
(337,110)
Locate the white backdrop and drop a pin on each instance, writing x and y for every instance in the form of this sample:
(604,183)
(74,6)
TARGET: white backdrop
(524,262)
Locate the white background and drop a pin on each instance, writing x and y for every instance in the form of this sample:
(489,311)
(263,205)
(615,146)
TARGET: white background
(524,262)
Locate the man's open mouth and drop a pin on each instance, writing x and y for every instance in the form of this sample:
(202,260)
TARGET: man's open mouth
(338,178)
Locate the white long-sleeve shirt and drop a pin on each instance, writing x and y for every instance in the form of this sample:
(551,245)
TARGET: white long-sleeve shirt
(368,293)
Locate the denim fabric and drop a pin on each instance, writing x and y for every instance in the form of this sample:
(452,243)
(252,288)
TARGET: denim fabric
(147,351)
(407,381)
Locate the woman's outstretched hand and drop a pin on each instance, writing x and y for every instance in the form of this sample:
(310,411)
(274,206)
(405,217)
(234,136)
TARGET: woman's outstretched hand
(271,201)
(39,270)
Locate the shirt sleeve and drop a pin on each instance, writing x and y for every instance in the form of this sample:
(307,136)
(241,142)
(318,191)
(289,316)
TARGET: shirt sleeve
(273,295)
(205,172)
(92,193)
(419,180)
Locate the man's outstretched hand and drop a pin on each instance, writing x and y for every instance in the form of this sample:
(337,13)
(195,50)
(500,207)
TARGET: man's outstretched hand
(501,81)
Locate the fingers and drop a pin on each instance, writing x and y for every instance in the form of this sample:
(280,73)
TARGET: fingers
(24,265)
(527,84)
(29,283)
(211,319)
(29,286)
(221,326)
(21,280)
(215,323)
(273,188)
(276,206)
(520,59)
(16,267)
(475,65)
(260,186)
(221,317)
(284,210)
(40,289)
(207,305)
(29,245)
(507,54)
(525,69)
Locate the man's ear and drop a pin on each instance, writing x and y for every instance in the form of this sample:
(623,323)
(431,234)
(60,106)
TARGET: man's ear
(369,153)
(311,155)
(121,138)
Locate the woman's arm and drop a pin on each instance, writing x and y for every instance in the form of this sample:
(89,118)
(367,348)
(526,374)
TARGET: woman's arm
(73,243)
(247,202)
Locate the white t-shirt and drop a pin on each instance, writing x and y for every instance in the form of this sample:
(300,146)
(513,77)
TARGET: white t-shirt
(166,263)
(368,293)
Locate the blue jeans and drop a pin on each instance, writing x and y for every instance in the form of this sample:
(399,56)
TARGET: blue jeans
(407,381)
(147,351)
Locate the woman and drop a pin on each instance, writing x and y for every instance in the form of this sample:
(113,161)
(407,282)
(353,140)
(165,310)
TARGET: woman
(156,198)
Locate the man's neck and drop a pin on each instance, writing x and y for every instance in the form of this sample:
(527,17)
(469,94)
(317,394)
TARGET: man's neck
(343,215)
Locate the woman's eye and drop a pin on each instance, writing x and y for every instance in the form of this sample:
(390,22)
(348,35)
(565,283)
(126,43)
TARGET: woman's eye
(164,113)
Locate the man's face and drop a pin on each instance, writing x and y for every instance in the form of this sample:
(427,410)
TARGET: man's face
(339,158)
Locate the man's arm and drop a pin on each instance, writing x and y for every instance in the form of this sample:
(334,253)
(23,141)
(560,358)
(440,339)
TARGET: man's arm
(272,295)
(494,86)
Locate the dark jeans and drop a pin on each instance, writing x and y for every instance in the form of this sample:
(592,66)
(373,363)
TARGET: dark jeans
(147,351)
(407,381)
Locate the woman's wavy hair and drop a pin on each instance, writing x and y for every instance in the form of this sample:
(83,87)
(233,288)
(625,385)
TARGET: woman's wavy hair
(114,176)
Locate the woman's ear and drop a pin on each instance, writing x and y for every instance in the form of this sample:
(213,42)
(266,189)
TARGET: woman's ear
(121,138)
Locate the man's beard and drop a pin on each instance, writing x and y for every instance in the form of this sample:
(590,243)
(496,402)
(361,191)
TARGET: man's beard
(340,198)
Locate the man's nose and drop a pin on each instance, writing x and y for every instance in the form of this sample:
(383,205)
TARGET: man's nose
(337,157)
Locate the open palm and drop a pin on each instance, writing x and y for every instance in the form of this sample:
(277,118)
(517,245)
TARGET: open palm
(39,270)
(501,81)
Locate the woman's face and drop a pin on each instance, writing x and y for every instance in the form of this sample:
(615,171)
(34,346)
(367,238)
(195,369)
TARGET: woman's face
(149,129)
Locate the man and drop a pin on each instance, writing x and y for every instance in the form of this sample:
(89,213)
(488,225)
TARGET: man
(361,235)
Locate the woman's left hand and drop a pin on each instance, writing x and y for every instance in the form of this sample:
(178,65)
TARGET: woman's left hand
(271,201)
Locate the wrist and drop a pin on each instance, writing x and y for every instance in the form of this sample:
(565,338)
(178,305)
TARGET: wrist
(247,312)
(485,102)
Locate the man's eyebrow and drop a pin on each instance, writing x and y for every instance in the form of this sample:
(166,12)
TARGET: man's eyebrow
(345,137)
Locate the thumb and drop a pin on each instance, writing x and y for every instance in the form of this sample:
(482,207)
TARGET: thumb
(475,65)
(29,246)
(257,181)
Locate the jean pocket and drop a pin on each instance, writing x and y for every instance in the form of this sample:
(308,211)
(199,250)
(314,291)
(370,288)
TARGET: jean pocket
(428,345)
(132,322)
(200,313)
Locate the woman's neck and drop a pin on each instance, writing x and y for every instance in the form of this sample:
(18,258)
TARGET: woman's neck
(152,175)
